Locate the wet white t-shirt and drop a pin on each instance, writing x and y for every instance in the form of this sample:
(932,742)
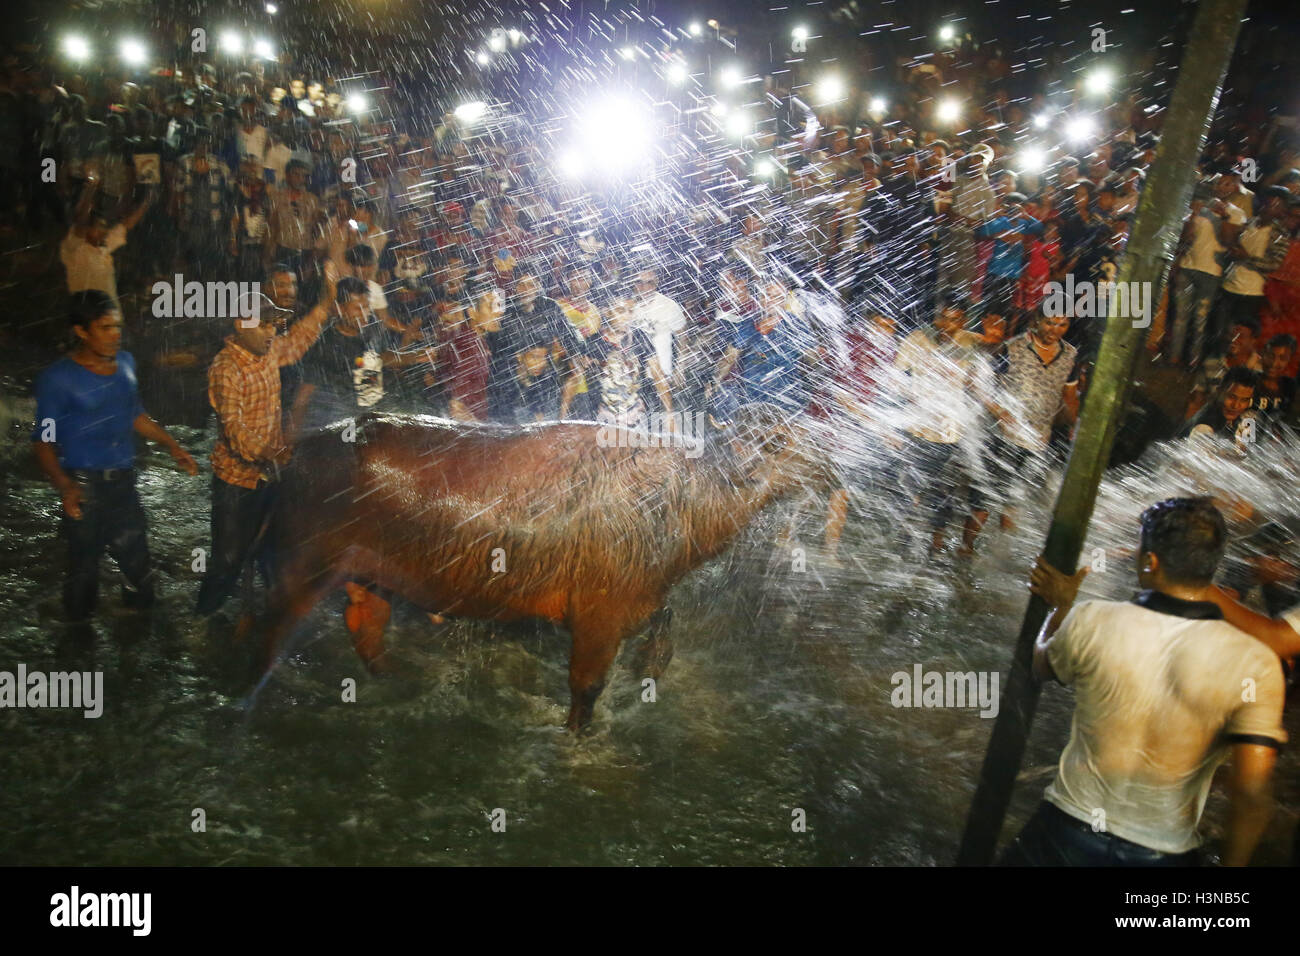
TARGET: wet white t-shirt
(1160,698)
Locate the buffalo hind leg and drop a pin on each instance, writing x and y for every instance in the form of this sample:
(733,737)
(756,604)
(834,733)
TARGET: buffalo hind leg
(366,617)
(656,648)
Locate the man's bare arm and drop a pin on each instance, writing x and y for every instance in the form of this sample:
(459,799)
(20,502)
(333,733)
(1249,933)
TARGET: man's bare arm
(1280,636)
(1250,796)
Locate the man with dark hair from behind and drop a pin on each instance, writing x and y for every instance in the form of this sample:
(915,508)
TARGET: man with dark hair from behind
(87,412)
(1165,690)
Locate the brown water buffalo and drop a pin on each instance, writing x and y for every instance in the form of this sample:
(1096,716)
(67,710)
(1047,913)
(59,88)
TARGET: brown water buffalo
(551,521)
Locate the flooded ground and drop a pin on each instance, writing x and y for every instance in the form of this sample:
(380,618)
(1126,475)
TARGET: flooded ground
(778,699)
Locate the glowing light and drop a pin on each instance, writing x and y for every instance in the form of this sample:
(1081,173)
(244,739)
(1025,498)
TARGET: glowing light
(1079,128)
(730,77)
(1032,159)
(76,48)
(133,52)
(949,111)
(232,42)
(764,168)
(482,59)
(830,89)
(264,49)
(496,42)
(677,74)
(738,125)
(799,33)
(471,112)
(878,105)
(571,163)
(947,33)
(719,108)
(1099,81)
(628,53)
(1042,121)
(515,35)
(613,136)
(696,29)
(272,9)
(358,103)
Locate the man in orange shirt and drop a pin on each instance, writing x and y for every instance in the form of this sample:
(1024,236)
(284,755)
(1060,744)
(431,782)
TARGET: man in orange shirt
(244,390)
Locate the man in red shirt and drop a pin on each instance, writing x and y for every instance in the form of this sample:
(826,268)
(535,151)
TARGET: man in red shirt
(244,390)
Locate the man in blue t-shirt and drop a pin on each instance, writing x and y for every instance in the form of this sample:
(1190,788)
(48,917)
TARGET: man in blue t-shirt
(87,413)
(774,350)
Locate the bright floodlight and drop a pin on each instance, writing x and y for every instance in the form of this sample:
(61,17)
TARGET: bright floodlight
(263,49)
(628,52)
(730,77)
(496,42)
(133,52)
(677,74)
(1041,121)
(471,112)
(949,110)
(515,35)
(612,136)
(358,103)
(947,33)
(482,59)
(76,48)
(571,163)
(232,42)
(1032,159)
(1099,81)
(764,168)
(272,9)
(878,105)
(799,33)
(830,89)
(696,29)
(738,125)
(1079,129)
(719,108)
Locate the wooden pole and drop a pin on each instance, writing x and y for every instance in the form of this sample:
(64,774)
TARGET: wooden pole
(1150,248)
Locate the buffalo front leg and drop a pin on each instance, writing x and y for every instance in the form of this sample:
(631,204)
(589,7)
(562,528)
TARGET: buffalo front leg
(594,650)
(656,648)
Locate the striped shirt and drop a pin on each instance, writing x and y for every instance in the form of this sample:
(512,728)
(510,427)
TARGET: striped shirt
(244,390)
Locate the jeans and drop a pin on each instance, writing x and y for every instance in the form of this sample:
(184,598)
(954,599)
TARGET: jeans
(237,516)
(1054,838)
(1193,298)
(111,519)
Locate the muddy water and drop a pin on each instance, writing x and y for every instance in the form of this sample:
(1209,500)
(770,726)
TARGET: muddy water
(778,700)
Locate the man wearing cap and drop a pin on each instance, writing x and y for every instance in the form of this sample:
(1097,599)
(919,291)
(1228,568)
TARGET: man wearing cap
(1008,229)
(244,390)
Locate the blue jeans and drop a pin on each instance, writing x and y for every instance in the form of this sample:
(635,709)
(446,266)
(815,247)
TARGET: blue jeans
(1193,300)
(1054,838)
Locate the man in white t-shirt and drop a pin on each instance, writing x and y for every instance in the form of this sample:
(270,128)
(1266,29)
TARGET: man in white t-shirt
(1259,250)
(1200,270)
(1165,691)
(658,316)
(87,250)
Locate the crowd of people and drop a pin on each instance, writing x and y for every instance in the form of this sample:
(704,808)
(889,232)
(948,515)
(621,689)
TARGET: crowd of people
(889,266)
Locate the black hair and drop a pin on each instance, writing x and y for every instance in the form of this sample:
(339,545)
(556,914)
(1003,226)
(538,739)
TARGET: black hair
(281,267)
(1246,321)
(1187,536)
(1238,376)
(88,306)
(293,164)
(1280,341)
(360,255)
(347,287)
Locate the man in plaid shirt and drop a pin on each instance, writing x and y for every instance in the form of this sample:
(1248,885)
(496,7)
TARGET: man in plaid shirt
(244,390)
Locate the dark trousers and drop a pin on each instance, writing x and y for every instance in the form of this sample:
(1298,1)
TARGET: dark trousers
(237,518)
(930,480)
(1054,838)
(111,519)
